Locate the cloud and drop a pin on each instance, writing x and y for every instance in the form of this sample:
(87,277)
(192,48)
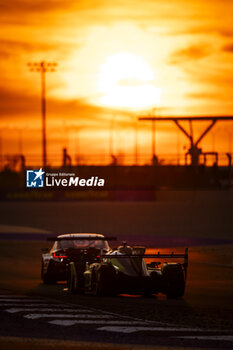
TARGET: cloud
(226,33)
(24,12)
(190,53)
(202,95)
(228,48)
(207,29)
(12,48)
(13,102)
(21,106)
(36,6)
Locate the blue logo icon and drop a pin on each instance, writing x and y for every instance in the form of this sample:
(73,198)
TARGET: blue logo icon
(35,178)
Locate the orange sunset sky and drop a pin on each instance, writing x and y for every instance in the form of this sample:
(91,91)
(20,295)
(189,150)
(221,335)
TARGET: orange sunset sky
(117,60)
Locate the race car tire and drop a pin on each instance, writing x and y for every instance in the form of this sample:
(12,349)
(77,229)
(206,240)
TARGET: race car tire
(97,286)
(46,278)
(102,283)
(70,282)
(174,280)
(73,281)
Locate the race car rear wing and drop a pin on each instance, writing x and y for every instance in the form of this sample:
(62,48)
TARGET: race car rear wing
(152,256)
(53,239)
(149,256)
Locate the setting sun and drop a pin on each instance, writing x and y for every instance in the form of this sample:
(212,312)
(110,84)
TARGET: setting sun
(116,61)
(126,80)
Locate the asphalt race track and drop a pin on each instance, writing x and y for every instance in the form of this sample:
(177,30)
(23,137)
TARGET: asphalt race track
(33,313)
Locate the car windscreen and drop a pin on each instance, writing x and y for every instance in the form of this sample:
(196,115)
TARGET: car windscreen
(81,244)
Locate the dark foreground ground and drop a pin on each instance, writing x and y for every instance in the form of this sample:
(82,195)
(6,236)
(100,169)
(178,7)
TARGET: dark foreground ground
(202,319)
(206,309)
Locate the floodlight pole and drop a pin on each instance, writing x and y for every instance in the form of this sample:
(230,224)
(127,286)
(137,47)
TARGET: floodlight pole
(154,157)
(153,140)
(43,67)
(136,143)
(43,111)
(1,155)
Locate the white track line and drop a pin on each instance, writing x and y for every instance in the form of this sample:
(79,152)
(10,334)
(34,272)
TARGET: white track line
(138,329)
(14,300)
(156,329)
(30,305)
(68,309)
(44,306)
(208,337)
(84,322)
(127,319)
(12,296)
(17,296)
(124,317)
(80,316)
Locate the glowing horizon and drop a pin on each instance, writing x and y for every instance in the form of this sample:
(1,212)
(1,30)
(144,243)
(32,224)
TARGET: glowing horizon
(120,58)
